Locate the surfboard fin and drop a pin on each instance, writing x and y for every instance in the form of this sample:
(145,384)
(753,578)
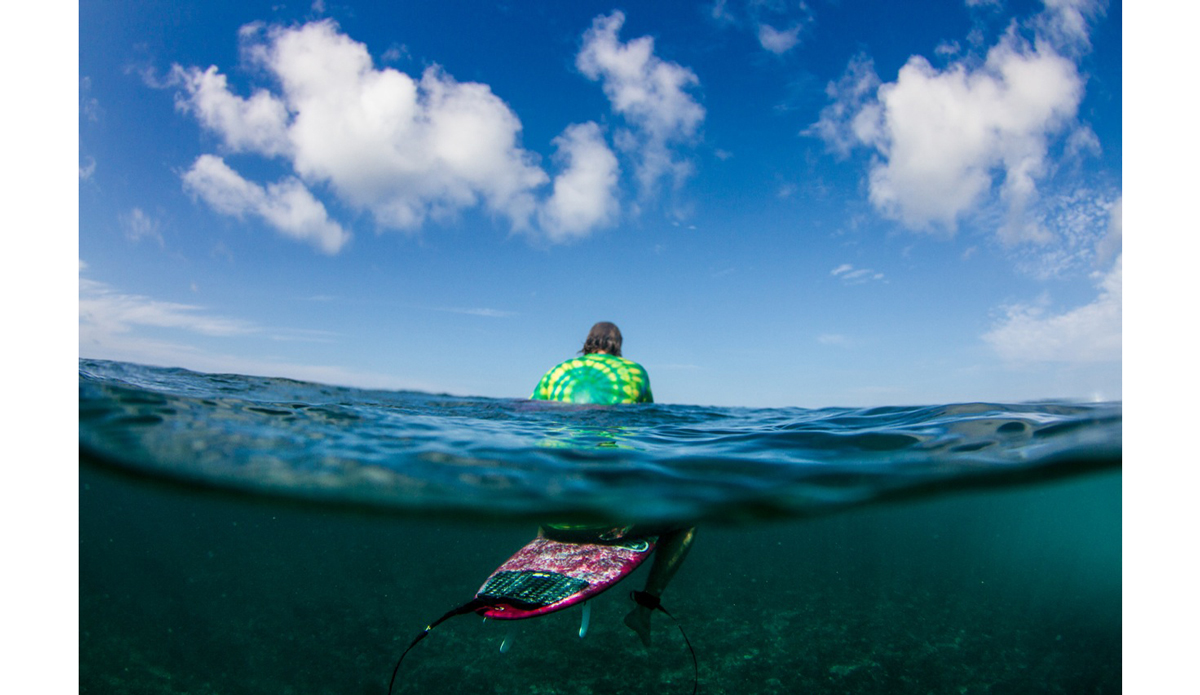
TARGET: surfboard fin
(587,619)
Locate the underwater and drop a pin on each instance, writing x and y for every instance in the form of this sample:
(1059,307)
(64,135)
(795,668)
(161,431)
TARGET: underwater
(244,534)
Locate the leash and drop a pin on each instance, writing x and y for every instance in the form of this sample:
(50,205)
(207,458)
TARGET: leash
(640,597)
(468,607)
(655,604)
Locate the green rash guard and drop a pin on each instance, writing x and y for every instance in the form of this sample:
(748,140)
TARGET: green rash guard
(596,378)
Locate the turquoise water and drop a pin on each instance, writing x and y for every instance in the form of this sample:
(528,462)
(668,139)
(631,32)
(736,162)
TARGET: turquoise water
(251,535)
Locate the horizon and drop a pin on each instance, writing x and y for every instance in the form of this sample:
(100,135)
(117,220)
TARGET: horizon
(780,204)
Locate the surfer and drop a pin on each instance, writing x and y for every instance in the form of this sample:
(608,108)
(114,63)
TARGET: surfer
(603,376)
(600,376)
(545,575)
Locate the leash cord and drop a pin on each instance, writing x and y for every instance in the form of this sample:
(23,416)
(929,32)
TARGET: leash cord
(654,603)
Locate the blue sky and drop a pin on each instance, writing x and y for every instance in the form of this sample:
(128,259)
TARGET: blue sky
(812,204)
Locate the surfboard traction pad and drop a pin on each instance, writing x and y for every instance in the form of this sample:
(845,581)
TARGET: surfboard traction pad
(546,576)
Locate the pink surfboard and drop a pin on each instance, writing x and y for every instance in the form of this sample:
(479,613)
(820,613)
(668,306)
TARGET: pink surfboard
(547,576)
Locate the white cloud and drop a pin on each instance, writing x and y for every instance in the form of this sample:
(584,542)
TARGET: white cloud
(584,196)
(778,41)
(1078,220)
(396,53)
(761,17)
(89,107)
(287,206)
(479,311)
(1065,22)
(947,48)
(849,120)
(138,225)
(399,147)
(1083,140)
(940,136)
(258,124)
(855,276)
(105,313)
(114,325)
(404,149)
(1110,244)
(720,12)
(649,93)
(87,168)
(835,339)
(1086,334)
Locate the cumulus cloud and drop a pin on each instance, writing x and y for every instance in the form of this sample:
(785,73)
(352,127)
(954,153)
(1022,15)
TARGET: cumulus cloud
(1089,333)
(398,147)
(258,124)
(584,196)
(941,136)
(649,93)
(778,41)
(850,118)
(287,205)
(404,149)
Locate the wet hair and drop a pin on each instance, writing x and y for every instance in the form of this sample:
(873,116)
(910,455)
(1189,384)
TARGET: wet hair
(604,337)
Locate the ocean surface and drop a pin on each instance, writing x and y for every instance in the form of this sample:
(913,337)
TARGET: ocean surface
(254,535)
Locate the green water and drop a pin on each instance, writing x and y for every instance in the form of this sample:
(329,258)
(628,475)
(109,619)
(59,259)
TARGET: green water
(185,590)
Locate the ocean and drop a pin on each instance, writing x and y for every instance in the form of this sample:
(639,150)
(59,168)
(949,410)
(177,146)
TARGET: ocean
(245,534)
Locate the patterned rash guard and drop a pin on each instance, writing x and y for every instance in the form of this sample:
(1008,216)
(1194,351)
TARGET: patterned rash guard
(596,378)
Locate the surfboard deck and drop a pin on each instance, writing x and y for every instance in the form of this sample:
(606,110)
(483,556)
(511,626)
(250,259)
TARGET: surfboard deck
(547,575)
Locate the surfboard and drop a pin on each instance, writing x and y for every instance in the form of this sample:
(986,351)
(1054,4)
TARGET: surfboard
(547,575)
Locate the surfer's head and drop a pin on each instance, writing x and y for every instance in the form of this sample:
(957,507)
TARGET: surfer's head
(604,337)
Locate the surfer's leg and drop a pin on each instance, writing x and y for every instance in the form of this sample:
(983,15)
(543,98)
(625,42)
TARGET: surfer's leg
(668,556)
(673,547)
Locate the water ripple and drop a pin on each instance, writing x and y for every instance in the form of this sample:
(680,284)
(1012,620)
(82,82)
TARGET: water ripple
(420,453)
